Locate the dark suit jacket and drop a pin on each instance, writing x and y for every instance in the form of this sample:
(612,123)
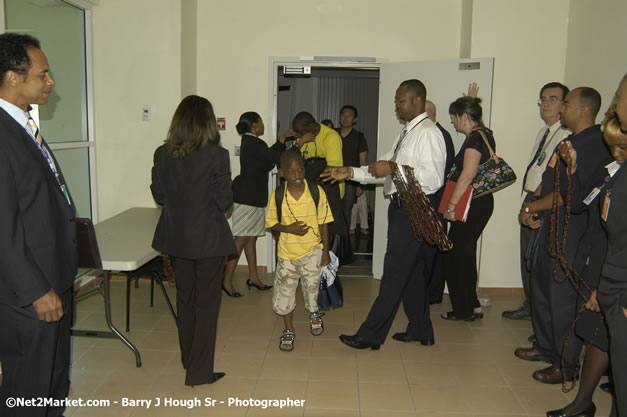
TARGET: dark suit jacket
(195,193)
(450,158)
(250,187)
(450,149)
(37,229)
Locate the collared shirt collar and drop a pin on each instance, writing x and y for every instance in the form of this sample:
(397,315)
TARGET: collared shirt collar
(413,122)
(16,113)
(555,126)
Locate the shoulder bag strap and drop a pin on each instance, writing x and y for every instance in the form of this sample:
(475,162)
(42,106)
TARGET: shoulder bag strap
(485,140)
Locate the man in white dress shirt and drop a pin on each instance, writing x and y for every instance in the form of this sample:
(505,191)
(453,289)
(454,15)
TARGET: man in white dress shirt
(550,135)
(420,146)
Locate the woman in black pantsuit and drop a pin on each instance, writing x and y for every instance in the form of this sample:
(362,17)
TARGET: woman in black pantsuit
(460,264)
(191,179)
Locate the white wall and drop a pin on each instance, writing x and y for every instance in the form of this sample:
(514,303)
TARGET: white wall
(595,56)
(528,42)
(236,39)
(137,61)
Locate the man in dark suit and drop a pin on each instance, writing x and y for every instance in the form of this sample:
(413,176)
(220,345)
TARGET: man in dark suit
(436,270)
(38,255)
(553,298)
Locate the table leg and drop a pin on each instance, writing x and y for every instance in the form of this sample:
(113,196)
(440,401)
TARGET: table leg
(114,331)
(107,300)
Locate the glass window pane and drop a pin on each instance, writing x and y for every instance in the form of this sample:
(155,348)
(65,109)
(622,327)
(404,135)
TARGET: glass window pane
(61,29)
(75,167)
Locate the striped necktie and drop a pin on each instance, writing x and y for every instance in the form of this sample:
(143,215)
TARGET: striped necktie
(35,134)
(535,156)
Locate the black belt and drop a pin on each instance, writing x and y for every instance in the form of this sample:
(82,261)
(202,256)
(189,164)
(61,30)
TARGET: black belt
(395,199)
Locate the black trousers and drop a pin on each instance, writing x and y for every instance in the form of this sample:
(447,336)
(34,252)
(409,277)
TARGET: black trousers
(460,264)
(554,306)
(609,300)
(525,273)
(404,279)
(35,358)
(435,271)
(198,284)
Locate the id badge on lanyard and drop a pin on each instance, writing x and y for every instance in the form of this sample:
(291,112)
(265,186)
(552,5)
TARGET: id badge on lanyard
(605,210)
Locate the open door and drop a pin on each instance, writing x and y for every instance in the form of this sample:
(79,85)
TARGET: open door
(445,82)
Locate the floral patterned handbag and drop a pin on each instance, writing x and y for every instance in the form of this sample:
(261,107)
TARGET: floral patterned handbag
(493,175)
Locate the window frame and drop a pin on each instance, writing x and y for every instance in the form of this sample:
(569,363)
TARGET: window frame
(90,143)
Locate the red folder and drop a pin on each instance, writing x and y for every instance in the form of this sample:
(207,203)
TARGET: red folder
(462,206)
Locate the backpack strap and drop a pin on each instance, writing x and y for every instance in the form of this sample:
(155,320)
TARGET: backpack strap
(315,192)
(278,199)
(280,193)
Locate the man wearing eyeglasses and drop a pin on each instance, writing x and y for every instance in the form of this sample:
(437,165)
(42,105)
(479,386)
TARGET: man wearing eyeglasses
(550,103)
(560,253)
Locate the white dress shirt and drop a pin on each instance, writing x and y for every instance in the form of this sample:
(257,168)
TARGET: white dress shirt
(422,148)
(15,112)
(557,133)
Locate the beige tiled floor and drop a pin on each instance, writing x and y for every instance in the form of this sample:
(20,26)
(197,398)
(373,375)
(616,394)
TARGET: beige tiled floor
(470,371)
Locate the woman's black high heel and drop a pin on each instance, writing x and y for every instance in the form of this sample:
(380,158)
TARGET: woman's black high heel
(233,294)
(259,287)
(588,412)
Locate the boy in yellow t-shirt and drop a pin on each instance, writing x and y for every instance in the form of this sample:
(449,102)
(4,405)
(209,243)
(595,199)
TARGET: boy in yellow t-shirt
(303,246)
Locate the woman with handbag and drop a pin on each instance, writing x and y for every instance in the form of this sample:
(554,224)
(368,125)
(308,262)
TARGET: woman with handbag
(250,197)
(460,264)
(191,179)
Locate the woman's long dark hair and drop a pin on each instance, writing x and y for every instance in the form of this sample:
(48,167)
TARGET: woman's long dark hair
(246,122)
(193,126)
(469,105)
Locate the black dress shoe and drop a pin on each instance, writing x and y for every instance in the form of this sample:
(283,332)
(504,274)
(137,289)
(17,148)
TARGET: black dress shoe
(261,287)
(607,387)
(451,316)
(404,337)
(216,376)
(521,313)
(357,342)
(531,354)
(588,412)
(233,294)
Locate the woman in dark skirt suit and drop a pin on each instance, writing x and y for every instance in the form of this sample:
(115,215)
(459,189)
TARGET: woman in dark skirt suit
(250,197)
(191,179)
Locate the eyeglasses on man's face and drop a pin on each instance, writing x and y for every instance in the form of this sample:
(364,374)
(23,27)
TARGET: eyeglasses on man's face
(548,100)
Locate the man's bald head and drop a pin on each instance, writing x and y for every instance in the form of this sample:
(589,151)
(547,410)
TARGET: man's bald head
(431,110)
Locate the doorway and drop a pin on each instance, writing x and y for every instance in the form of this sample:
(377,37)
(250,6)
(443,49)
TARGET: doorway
(323,91)
(445,81)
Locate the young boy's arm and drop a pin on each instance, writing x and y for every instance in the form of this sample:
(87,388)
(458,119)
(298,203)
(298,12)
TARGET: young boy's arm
(324,218)
(272,221)
(324,233)
(296,228)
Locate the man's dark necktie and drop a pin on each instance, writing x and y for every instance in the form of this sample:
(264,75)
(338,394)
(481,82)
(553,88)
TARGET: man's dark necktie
(535,157)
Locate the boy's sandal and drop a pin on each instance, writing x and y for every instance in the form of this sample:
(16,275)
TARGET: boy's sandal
(287,341)
(317,326)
